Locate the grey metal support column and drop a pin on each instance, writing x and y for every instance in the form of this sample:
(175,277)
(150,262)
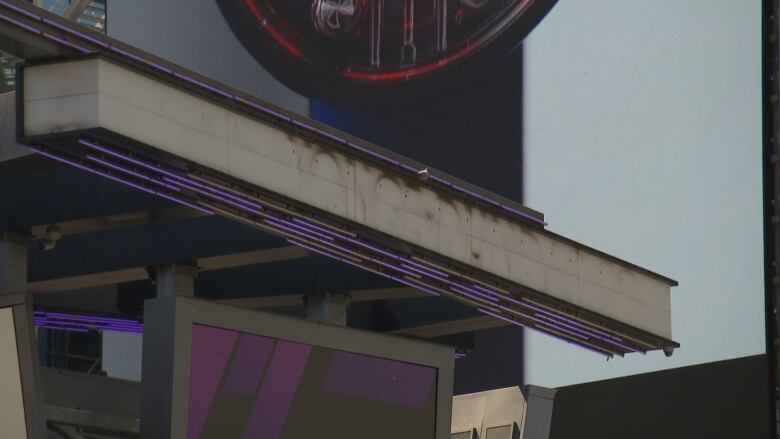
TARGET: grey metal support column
(328,308)
(175,279)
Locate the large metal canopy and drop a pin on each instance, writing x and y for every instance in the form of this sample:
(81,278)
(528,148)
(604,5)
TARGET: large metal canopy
(135,119)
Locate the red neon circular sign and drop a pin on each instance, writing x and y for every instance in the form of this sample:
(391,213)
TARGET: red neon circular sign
(346,49)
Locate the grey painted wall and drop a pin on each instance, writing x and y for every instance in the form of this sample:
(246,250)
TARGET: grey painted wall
(193,33)
(642,137)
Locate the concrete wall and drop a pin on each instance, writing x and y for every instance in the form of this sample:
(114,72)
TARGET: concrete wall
(643,138)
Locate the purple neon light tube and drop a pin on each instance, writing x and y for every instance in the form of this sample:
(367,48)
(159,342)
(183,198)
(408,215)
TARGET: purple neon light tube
(561,321)
(85,317)
(60,328)
(130,172)
(414,284)
(20,10)
(128,159)
(203,85)
(262,108)
(217,191)
(473,293)
(24,26)
(290,225)
(118,180)
(425,273)
(540,310)
(95,321)
(210,187)
(68,30)
(319,131)
(215,196)
(425,268)
(515,322)
(371,247)
(318,227)
(375,154)
(66,43)
(569,320)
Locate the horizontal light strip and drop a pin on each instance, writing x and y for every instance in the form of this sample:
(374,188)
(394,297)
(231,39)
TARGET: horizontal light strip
(119,180)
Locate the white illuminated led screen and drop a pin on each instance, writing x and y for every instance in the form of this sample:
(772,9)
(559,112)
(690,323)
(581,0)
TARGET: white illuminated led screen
(642,137)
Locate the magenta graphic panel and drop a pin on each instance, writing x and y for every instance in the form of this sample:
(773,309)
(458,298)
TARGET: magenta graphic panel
(250,386)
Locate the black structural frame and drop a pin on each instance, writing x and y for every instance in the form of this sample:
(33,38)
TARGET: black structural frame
(167,351)
(771,185)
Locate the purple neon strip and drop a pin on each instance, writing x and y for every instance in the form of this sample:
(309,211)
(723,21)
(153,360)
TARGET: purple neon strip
(59,328)
(84,326)
(119,180)
(324,253)
(130,172)
(596,333)
(468,290)
(377,261)
(415,284)
(20,10)
(203,85)
(374,154)
(471,296)
(410,168)
(338,258)
(88,324)
(107,320)
(24,26)
(541,310)
(141,60)
(128,159)
(262,108)
(295,228)
(215,196)
(522,214)
(549,321)
(426,268)
(87,321)
(66,43)
(562,322)
(304,234)
(226,194)
(371,247)
(425,273)
(318,227)
(82,316)
(319,131)
(67,29)
(475,195)
(127,54)
(515,322)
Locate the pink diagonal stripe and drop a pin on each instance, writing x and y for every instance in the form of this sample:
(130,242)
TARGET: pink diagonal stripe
(211,349)
(277,391)
(248,364)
